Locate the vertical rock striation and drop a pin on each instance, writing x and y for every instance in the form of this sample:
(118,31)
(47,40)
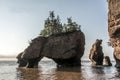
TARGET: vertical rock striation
(114,28)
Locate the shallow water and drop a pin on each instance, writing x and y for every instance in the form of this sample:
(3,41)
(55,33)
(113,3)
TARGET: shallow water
(47,71)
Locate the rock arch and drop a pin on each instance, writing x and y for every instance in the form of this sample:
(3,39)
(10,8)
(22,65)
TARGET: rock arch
(66,49)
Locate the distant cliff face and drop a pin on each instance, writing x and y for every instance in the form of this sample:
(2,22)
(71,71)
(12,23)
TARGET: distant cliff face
(65,49)
(114,28)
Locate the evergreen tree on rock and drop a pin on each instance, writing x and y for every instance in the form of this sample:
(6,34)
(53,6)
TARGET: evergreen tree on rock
(53,25)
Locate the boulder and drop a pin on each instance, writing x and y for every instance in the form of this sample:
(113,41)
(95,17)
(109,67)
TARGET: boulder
(65,49)
(96,54)
(107,61)
(114,28)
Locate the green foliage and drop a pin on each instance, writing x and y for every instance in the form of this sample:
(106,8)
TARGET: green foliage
(71,26)
(44,33)
(54,26)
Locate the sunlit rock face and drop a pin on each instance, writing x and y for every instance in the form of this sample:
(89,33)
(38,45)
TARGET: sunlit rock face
(96,54)
(114,28)
(66,49)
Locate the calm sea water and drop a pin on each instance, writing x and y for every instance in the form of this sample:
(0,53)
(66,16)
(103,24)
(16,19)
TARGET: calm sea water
(47,71)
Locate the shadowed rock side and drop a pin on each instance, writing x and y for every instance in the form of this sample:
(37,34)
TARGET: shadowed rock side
(114,28)
(22,62)
(32,54)
(66,49)
(107,61)
(96,54)
(36,47)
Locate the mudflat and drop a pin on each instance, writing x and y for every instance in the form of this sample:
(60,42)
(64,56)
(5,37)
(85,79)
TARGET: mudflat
(48,71)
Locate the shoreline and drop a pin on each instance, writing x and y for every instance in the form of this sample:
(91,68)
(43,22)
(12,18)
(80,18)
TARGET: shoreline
(8,59)
(45,59)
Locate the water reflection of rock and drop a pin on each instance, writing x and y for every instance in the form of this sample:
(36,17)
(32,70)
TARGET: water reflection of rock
(97,70)
(63,75)
(69,69)
(117,74)
(50,74)
(28,74)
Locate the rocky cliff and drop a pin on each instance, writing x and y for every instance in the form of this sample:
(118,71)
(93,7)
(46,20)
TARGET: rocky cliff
(66,49)
(114,28)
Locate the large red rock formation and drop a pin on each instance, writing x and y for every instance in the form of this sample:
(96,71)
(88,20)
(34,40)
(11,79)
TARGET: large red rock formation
(114,28)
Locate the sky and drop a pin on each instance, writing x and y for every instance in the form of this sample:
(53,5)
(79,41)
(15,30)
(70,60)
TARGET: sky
(22,20)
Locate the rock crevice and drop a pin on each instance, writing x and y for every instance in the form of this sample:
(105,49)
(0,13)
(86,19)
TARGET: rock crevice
(114,28)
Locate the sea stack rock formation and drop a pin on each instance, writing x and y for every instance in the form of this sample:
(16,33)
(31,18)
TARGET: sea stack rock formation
(114,28)
(107,61)
(96,54)
(65,49)
(63,44)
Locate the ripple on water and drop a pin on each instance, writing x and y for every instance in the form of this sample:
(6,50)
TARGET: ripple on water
(48,71)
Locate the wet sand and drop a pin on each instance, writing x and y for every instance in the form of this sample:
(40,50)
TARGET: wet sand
(48,71)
